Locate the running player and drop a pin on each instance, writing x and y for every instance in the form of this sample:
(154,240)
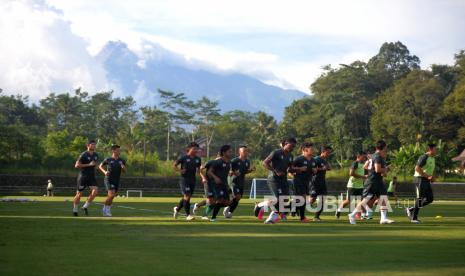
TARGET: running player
(112,167)
(424,176)
(219,172)
(318,188)
(279,164)
(86,178)
(209,189)
(190,168)
(304,167)
(355,184)
(240,166)
(374,186)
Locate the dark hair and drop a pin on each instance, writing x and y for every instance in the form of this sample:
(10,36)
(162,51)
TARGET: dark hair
(380,145)
(193,145)
(395,177)
(91,141)
(306,145)
(432,145)
(224,148)
(113,147)
(242,146)
(289,140)
(325,148)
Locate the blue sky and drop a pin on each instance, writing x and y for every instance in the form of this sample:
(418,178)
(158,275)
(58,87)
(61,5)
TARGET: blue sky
(280,42)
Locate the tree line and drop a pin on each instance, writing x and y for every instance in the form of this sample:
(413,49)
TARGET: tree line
(352,105)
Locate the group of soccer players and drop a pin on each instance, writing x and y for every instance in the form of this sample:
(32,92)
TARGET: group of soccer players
(223,180)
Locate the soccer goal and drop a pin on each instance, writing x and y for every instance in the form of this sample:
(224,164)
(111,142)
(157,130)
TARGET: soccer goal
(259,187)
(133,191)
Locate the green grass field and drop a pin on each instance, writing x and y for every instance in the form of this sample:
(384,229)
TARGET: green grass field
(41,238)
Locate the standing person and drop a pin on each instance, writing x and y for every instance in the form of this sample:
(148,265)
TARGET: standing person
(49,188)
(355,184)
(240,166)
(112,167)
(374,186)
(209,189)
(86,178)
(304,167)
(219,172)
(423,177)
(318,186)
(278,163)
(190,168)
(392,189)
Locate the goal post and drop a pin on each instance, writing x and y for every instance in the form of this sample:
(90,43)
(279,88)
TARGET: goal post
(133,191)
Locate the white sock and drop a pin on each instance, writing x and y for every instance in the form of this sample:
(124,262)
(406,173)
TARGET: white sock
(383,214)
(75,208)
(105,208)
(339,209)
(108,207)
(368,210)
(86,204)
(262,204)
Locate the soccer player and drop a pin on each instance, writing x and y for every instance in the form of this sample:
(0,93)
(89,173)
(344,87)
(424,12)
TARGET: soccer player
(318,188)
(304,167)
(424,176)
(278,163)
(219,172)
(190,168)
(112,167)
(374,186)
(209,189)
(240,166)
(355,184)
(86,178)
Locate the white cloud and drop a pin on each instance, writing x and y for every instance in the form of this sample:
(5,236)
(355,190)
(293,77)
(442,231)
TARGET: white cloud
(39,54)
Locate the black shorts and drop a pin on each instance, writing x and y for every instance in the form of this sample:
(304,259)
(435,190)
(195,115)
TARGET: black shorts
(187,186)
(84,181)
(317,189)
(278,186)
(301,187)
(353,193)
(238,189)
(111,184)
(391,194)
(209,189)
(423,188)
(374,189)
(221,192)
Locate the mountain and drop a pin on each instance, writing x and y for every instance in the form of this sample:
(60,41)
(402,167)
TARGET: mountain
(140,75)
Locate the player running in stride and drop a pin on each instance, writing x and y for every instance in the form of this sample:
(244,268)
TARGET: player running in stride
(240,166)
(278,163)
(86,178)
(374,186)
(355,184)
(112,167)
(219,172)
(209,189)
(190,168)
(318,188)
(424,176)
(304,167)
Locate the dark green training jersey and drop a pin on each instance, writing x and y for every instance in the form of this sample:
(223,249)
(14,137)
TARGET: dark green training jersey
(280,161)
(373,176)
(113,166)
(243,166)
(190,164)
(85,158)
(320,177)
(301,161)
(221,169)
